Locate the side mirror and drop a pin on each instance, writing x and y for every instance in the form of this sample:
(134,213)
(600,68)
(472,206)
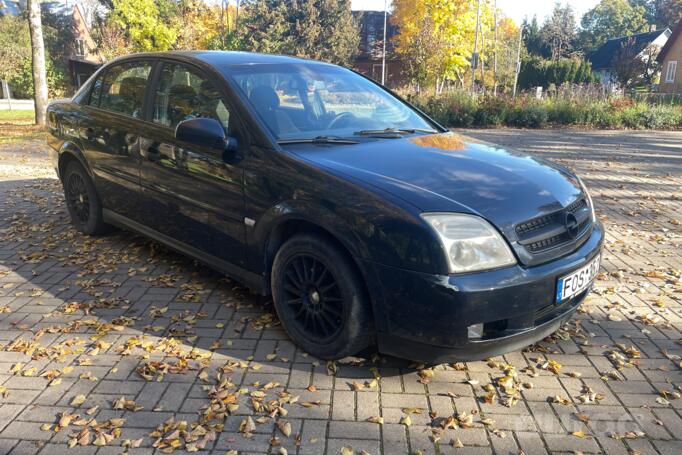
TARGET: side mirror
(207,132)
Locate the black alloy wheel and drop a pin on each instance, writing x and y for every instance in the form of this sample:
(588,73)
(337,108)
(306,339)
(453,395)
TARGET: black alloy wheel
(77,197)
(314,297)
(320,297)
(82,201)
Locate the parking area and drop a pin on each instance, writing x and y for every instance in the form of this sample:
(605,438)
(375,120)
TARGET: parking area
(114,344)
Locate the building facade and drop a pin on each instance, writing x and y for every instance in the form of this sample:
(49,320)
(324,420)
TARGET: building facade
(640,45)
(670,58)
(369,60)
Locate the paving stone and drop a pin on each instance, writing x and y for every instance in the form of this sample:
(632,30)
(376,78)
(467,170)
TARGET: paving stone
(570,443)
(354,430)
(334,446)
(634,178)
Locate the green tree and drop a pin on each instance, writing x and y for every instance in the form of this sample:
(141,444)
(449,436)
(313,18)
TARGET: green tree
(559,31)
(611,19)
(662,13)
(15,54)
(536,71)
(142,23)
(22,81)
(15,45)
(319,29)
(532,40)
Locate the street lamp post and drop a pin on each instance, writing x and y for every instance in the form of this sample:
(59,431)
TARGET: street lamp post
(518,61)
(474,56)
(383,53)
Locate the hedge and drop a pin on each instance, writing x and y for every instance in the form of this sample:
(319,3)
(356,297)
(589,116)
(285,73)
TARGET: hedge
(460,109)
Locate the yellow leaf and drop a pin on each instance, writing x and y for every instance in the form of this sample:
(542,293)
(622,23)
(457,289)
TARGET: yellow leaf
(78,400)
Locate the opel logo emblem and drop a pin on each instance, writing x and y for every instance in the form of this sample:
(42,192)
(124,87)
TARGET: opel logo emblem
(571,223)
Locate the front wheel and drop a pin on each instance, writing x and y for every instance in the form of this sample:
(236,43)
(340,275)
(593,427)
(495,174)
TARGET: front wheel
(82,201)
(320,298)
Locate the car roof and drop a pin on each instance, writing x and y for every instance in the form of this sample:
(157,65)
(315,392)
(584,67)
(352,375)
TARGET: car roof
(223,58)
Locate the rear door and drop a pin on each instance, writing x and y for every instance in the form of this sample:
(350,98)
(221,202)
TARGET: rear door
(190,193)
(110,131)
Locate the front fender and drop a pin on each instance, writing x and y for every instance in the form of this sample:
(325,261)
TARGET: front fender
(345,231)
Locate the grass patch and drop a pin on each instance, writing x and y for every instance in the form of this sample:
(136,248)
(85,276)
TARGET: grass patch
(17,125)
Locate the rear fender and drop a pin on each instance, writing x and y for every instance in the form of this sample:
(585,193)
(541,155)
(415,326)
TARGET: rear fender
(70,150)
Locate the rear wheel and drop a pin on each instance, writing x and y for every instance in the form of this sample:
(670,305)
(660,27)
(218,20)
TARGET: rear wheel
(82,201)
(320,298)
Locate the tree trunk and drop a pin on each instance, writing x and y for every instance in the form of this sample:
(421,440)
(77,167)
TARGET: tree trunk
(38,54)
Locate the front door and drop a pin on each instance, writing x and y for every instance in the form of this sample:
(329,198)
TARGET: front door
(189,192)
(109,133)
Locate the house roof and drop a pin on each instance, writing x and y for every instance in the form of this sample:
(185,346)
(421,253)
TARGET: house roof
(603,57)
(677,33)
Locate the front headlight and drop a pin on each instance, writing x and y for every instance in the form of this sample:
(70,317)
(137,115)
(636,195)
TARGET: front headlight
(470,242)
(589,199)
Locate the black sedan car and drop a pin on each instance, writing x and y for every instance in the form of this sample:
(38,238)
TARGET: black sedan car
(366,221)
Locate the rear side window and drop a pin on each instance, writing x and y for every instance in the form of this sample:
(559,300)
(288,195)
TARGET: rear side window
(122,89)
(182,94)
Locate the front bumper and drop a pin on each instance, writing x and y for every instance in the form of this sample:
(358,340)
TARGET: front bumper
(426,317)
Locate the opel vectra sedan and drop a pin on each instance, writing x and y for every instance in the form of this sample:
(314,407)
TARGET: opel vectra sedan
(367,222)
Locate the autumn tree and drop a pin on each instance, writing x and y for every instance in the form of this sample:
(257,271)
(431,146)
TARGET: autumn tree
(611,19)
(199,25)
(141,22)
(318,29)
(507,43)
(111,39)
(436,38)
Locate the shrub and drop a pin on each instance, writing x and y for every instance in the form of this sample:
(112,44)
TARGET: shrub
(492,111)
(571,106)
(568,107)
(528,116)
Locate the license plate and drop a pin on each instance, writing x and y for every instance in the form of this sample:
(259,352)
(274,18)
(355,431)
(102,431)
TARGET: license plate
(577,281)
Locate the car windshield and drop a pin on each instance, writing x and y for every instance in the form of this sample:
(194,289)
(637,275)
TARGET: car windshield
(312,100)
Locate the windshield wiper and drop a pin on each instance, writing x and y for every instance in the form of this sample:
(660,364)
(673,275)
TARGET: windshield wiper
(393,131)
(318,140)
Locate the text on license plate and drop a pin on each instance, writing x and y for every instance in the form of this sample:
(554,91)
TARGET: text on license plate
(576,282)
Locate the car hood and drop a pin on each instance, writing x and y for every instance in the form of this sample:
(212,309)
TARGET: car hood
(447,173)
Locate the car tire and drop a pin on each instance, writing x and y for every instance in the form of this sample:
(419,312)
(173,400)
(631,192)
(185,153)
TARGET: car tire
(320,298)
(82,201)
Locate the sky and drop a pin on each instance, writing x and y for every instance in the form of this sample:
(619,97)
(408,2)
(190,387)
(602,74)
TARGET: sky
(516,9)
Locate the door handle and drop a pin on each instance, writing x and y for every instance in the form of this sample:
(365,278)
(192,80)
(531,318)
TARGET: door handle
(152,153)
(90,134)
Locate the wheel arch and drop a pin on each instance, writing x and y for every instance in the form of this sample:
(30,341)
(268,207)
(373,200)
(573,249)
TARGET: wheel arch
(283,222)
(71,152)
(293,225)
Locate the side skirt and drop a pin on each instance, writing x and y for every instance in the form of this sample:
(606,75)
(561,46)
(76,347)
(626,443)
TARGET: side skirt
(252,280)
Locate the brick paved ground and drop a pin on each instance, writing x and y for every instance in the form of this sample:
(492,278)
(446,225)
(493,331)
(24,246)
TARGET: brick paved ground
(201,363)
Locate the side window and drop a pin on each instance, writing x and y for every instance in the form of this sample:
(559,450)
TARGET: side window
(123,88)
(182,94)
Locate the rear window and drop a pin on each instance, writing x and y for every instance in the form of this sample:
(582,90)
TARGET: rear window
(122,89)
